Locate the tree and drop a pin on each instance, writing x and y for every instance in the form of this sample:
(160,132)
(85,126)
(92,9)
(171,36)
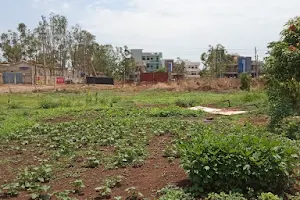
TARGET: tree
(56,45)
(216,59)
(179,66)
(283,74)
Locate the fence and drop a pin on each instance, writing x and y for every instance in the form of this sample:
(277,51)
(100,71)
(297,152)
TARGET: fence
(154,77)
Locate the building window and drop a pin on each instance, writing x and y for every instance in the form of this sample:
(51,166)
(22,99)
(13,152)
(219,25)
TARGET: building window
(151,66)
(148,58)
(157,59)
(157,67)
(151,58)
(143,58)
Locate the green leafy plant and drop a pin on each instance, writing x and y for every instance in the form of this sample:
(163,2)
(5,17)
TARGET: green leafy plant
(245,81)
(185,103)
(92,162)
(103,192)
(220,162)
(224,196)
(11,189)
(172,151)
(133,194)
(113,181)
(268,196)
(290,127)
(173,192)
(282,72)
(49,103)
(78,186)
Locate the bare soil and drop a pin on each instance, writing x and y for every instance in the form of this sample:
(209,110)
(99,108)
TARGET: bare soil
(156,173)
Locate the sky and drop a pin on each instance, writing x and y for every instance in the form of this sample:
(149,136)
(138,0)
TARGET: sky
(177,28)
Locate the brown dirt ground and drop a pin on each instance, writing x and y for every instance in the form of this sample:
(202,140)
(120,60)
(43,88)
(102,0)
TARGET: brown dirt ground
(156,173)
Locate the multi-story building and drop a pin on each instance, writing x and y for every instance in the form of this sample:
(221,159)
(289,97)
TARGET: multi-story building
(168,65)
(243,65)
(192,69)
(152,60)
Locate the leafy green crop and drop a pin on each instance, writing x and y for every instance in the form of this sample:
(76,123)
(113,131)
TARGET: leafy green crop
(219,162)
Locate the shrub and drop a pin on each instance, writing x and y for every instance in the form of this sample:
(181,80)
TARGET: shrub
(224,196)
(175,112)
(185,103)
(290,127)
(173,192)
(235,162)
(268,196)
(49,103)
(245,82)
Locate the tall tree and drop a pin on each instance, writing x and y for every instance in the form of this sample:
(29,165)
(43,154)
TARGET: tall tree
(216,59)
(179,66)
(282,70)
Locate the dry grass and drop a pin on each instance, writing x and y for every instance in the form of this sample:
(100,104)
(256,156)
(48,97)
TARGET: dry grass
(199,84)
(206,84)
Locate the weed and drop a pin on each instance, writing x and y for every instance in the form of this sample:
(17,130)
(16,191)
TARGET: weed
(49,103)
(173,192)
(224,196)
(92,162)
(114,181)
(104,192)
(185,103)
(133,194)
(78,186)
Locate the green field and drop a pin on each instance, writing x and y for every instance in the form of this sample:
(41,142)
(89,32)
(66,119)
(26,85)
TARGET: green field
(66,144)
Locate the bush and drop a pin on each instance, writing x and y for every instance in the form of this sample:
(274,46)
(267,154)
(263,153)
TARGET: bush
(185,103)
(49,103)
(174,193)
(245,82)
(268,196)
(217,162)
(290,127)
(224,196)
(175,112)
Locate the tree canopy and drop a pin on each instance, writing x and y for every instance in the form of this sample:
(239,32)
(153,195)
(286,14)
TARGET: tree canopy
(64,46)
(283,74)
(216,59)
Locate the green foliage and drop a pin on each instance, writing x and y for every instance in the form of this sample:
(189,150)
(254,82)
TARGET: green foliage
(12,105)
(172,151)
(92,162)
(185,103)
(49,103)
(290,127)
(174,112)
(104,192)
(283,74)
(174,193)
(231,162)
(133,194)
(30,179)
(224,196)
(113,181)
(78,186)
(216,59)
(268,196)
(245,81)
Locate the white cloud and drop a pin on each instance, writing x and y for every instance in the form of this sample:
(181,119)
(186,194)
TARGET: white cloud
(65,5)
(184,28)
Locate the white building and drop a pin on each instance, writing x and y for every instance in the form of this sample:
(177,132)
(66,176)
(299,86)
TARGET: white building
(152,60)
(192,69)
